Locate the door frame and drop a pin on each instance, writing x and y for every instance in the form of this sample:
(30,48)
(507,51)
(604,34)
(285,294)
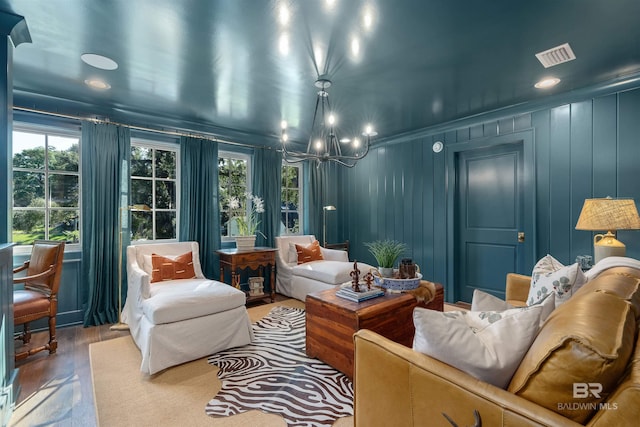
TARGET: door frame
(528,176)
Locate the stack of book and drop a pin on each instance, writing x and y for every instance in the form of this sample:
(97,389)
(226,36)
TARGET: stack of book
(350,294)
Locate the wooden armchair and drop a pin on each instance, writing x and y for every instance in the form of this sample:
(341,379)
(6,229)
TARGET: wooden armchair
(39,298)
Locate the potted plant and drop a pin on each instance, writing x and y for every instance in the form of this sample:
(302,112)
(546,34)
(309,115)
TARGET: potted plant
(386,252)
(246,217)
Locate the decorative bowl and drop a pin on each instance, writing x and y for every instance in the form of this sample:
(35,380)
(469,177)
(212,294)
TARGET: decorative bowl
(393,284)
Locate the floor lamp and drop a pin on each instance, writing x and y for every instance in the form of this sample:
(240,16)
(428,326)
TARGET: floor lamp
(324,222)
(133,208)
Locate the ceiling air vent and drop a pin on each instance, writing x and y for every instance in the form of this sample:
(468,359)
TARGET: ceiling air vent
(556,55)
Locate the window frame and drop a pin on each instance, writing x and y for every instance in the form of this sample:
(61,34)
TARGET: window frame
(236,156)
(300,209)
(164,146)
(48,130)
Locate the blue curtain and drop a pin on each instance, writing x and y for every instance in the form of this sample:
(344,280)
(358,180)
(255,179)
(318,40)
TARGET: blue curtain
(266,183)
(105,152)
(199,210)
(316,195)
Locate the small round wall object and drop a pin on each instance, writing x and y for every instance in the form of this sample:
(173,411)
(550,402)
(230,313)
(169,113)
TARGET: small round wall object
(437,147)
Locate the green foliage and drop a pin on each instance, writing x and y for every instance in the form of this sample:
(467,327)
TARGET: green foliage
(232,176)
(290,199)
(386,252)
(29,192)
(22,238)
(72,236)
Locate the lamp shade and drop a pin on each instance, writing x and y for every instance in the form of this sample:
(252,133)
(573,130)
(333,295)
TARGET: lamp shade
(608,214)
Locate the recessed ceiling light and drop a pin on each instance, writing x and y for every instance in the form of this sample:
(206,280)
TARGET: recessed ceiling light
(97,84)
(283,44)
(283,14)
(547,83)
(99,61)
(355,46)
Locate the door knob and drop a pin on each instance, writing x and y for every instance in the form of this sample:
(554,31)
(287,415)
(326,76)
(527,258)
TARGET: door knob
(520,236)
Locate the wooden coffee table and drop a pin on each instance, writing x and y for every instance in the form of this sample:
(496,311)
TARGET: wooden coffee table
(331,322)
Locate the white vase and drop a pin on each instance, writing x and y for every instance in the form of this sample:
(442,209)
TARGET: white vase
(386,271)
(245,243)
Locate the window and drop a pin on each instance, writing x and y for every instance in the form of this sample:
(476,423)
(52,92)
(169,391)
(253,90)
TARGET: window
(46,185)
(291,199)
(154,168)
(233,180)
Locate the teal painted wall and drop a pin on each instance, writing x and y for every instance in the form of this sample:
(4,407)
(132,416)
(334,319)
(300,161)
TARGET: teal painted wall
(584,149)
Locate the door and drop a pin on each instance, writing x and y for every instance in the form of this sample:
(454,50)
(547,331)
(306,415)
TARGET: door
(489,218)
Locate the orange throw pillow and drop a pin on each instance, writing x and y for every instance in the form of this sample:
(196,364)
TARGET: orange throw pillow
(170,269)
(309,253)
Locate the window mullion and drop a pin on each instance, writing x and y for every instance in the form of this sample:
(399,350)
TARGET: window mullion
(153,192)
(47,193)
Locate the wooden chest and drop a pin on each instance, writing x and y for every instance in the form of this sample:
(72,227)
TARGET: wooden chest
(331,322)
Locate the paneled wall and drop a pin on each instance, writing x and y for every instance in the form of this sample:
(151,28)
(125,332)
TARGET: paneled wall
(584,149)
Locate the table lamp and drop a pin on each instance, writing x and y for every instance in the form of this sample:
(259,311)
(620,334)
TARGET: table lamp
(611,215)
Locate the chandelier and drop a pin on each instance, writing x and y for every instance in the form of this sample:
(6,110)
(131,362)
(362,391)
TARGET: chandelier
(324,143)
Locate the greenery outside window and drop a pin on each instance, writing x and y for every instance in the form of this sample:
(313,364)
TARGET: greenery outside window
(233,181)
(154,183)
(46,185)
(291,199)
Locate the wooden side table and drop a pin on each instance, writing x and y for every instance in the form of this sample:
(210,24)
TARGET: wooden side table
(257,258)
(331,322)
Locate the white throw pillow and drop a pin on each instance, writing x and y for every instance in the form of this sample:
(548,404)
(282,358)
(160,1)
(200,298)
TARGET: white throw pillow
(544,266)
(483,301)
(549,275)
(488,345)
(292,258)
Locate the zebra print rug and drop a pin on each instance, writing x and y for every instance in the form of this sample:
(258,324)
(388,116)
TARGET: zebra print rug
(274,375)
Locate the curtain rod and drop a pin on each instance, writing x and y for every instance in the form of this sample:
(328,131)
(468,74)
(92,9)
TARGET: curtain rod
(202,135)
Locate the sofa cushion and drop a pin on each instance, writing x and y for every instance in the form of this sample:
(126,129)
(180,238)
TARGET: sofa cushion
(482,301)
(332,272)
(308,253)
(486,344)
(166,268)
(623,405)
(589,339)
(549,275)
(189,298)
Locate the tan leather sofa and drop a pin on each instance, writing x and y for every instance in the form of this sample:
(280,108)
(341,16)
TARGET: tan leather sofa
(591,340)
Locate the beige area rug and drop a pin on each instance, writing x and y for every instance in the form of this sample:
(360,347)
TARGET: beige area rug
(174,397)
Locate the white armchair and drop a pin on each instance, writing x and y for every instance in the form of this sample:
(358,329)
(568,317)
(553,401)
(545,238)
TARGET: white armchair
(177,321)
(297,281)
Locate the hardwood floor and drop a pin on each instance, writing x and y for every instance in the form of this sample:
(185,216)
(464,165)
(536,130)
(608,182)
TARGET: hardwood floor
(56,390)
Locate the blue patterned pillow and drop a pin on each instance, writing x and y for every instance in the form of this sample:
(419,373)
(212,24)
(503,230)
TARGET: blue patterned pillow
(549,275)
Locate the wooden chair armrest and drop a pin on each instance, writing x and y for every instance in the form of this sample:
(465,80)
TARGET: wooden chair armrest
(49,272)
(21,268)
